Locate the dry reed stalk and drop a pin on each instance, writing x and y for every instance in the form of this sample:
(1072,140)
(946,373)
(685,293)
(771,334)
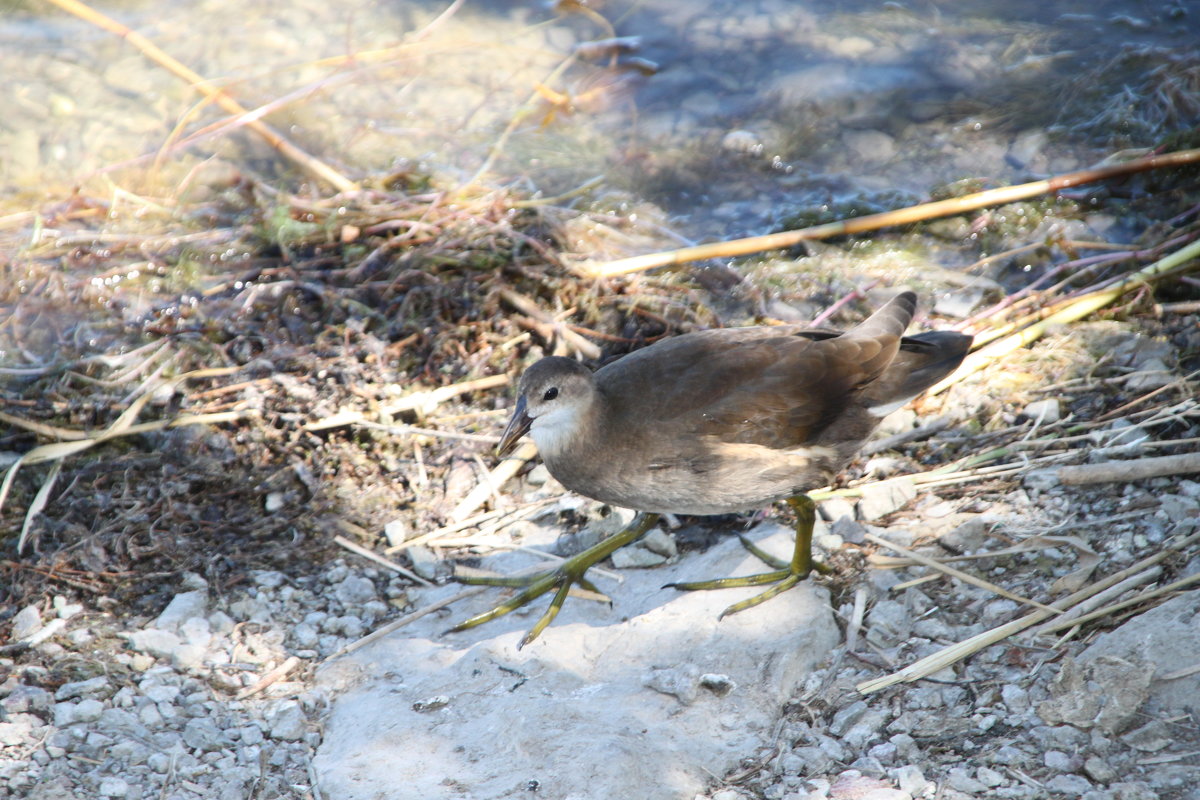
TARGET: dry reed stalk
(903,216)
(310,164)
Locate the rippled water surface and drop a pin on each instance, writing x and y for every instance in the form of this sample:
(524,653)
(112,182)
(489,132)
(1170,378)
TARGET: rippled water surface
(729,115)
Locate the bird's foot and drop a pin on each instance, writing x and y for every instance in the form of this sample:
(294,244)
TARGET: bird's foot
(560,579)
(786,573)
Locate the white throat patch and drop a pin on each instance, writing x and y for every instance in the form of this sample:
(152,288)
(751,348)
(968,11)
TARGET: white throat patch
(555,430)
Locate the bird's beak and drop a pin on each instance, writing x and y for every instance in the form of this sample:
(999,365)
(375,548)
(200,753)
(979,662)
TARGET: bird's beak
(518,426)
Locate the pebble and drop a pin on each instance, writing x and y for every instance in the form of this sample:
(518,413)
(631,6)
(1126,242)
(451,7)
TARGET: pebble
(91,686)
(66,714)
(287,721)
(26,623)
(355,590)
(1069,785)
(183,606)
(635,556)
(1043,412)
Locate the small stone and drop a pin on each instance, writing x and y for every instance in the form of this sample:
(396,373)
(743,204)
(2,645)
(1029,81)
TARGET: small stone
(1015,698)
(849,530)
(202,734)
(989,777)
(269,578)
(718,684)
(71,713)
(251,734)
(196,630)
(966,537)
(910,779)
(182,607)
(881,499)
(17,733)
(959,779)
(889,622)
(26,623)
(274,501)
(424,561)
(351,627)
(431,703)
(1151,737)
(141,662)
(396,532)
(1043,412)
(660,542)
(158,643)
(538,476)
(75,689)
(635,556)
(682,683)
(355,590)
(1069,785)
(287,721)
(66,610)
(1058,761)
(305,635)
(1098,770)
(870,145)
(112,786)
(26,699)
(846,717)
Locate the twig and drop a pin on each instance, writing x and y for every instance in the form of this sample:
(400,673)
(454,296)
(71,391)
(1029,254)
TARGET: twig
(957,573)
(506,469)
(421,402)
(271,677)
(378,559)
(1129,470)
(406,620)
(904,216)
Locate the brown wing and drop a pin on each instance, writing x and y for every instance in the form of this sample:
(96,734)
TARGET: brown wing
(775,387)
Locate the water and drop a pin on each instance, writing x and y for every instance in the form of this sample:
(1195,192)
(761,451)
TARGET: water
(730,116)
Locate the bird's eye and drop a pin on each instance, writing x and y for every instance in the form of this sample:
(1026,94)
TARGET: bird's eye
(550,394)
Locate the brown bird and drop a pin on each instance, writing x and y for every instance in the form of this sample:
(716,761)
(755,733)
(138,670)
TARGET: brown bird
(715,422)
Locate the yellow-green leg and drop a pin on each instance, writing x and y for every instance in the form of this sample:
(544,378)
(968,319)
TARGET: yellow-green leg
(786,574)
(561,578)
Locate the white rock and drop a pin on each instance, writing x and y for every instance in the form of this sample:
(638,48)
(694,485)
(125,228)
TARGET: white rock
(182,607)
(573,709)
(64,609)
(396,531)
(879,499)
(910,779)
(71,713)
(286,719)
(1043,412)
(355,590)
(26,623)
(81,688)
(158,643)
(635,556)
(112,786)
(14,734)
